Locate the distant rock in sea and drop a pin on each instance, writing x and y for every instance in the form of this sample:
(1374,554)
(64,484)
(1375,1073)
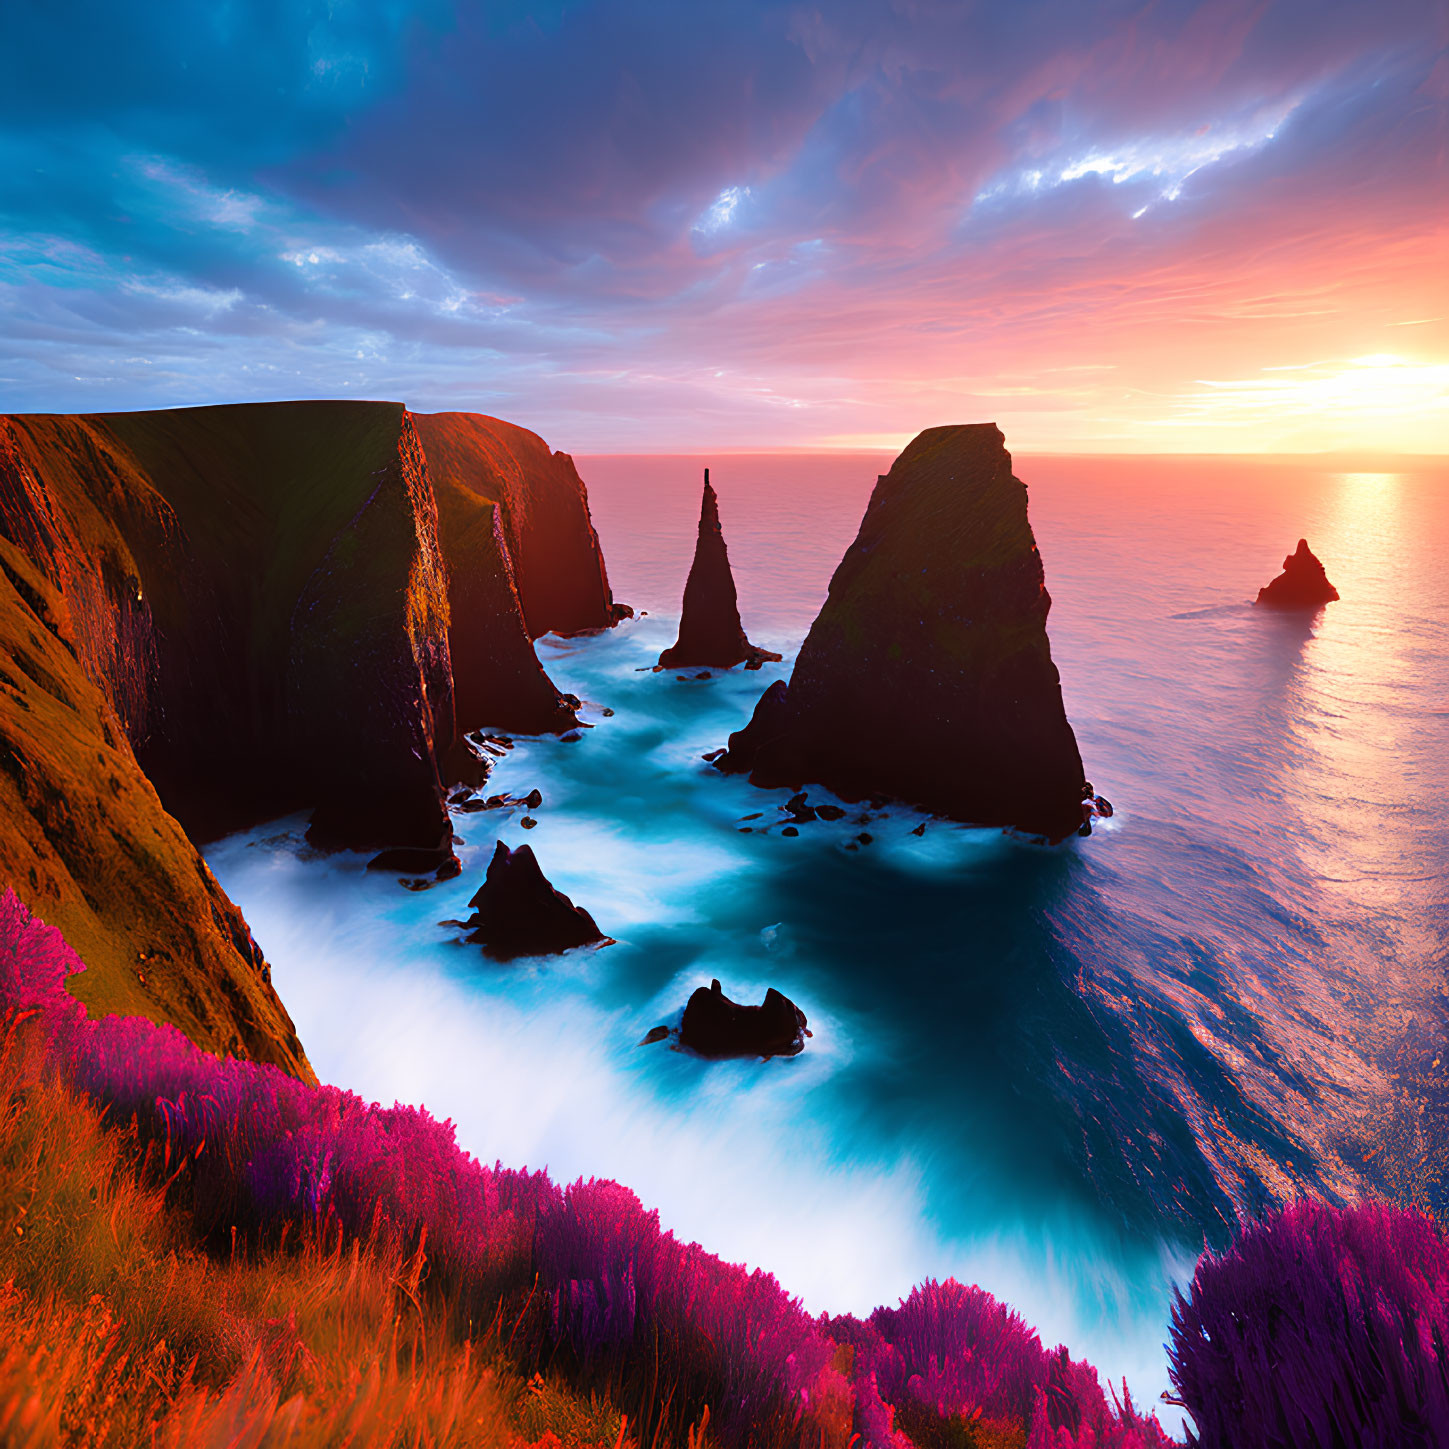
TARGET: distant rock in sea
(928,675)
(518,913)
(1303,584)
(710,631)
(715,1026)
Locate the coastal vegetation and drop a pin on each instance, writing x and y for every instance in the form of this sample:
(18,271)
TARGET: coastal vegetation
(207,1251)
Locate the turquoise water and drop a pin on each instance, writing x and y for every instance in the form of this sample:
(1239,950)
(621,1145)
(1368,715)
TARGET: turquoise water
(1052,1072)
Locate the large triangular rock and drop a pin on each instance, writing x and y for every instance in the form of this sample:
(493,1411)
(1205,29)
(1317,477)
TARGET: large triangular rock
(518,913)
(928,675)
(1303,584)
(710,632)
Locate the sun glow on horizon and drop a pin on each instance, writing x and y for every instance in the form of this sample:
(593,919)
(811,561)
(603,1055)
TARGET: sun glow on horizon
(1344,402)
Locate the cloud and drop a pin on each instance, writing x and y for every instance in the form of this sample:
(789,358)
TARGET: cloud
(519,202)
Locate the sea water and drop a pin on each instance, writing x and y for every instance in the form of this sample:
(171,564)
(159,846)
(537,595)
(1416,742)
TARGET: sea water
(1053,1072)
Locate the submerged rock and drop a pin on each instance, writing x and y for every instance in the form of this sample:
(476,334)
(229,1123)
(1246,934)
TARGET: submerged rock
(518,913)
(715,1026)
(1303,584)
(928,676)
(710,631)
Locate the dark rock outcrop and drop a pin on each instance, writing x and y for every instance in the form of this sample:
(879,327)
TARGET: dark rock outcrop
(518,913)
(710,631)
(559,568)
(715,1026)
(413,861)
(497,678)
(1303,584)
(928,675)
(259,592)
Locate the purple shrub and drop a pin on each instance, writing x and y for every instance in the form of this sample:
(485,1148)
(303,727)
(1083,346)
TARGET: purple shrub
(593,1245)
(957,1350)
(1072,1413)
(1319,1326)
(952,1354)
(618,1288)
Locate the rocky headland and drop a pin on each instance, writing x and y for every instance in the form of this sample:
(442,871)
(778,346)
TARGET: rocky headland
(87,845)
(927,676)
(248,610)
(1303,584)
(261,593)
(710,631)
(563,586)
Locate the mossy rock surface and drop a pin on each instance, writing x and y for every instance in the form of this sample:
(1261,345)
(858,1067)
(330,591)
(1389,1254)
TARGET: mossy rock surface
(87,846)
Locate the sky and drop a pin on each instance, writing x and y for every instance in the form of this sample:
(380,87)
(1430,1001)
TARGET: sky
(652,225)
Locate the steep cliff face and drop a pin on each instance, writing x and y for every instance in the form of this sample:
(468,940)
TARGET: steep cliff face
(260,592)
(88,847)
(710,632)
(558,566)
(928,676)
(497,679)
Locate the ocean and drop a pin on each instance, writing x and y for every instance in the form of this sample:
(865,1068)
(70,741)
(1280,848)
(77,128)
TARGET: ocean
(1054,1072)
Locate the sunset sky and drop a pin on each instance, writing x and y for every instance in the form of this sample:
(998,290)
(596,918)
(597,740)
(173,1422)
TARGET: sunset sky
(1108,225)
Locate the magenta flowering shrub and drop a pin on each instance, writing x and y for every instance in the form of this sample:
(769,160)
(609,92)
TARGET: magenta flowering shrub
(593,1252)
(956,1350)
(1319,1325)
(618,1286)
(954,1353)
(598,1282)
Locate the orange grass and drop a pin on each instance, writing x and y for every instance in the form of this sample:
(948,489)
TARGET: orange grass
(118,1329)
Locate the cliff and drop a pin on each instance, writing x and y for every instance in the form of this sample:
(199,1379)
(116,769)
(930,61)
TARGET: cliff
(86,844)
(710,632)
(1303,584)
(497,679)
(928,675)
(558,566)
(260,593)
(255,608)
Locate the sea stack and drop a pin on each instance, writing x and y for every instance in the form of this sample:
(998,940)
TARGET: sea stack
(928,676)
(1303,584)
(715,1026)
(710,632)
(518,913)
